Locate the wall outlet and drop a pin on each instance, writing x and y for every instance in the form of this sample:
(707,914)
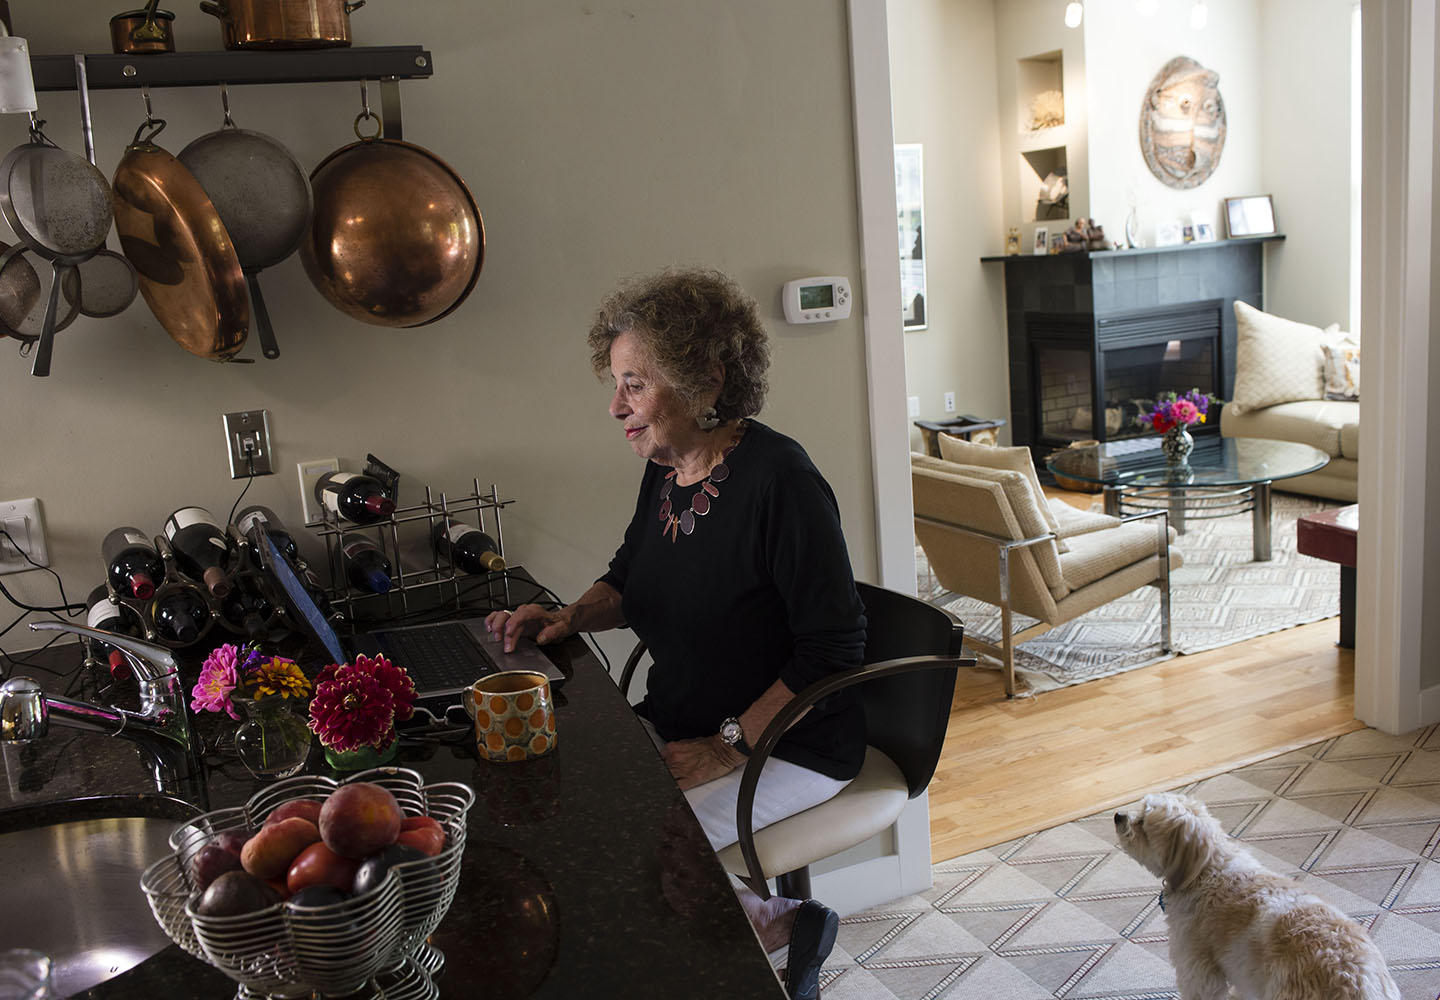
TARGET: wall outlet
(950,402)
(309,472)
(22,522)
(914,404)
(247,443)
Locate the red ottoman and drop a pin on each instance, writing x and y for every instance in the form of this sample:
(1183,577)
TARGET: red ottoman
(1330,535)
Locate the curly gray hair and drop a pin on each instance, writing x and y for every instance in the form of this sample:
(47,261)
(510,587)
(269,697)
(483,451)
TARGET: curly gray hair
(688,321)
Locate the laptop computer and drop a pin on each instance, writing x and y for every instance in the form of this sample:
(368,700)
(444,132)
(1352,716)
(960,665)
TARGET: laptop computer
(442,658)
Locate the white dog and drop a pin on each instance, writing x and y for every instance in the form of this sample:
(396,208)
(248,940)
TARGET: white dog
(1232,923)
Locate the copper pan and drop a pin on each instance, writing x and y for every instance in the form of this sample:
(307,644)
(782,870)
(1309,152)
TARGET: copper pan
(189,272)
(396,240)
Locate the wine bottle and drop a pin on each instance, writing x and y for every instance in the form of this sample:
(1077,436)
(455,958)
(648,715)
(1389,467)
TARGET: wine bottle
(105,614)
(354,497)
(466,546)
(201,546)
(180,614)
(367,566)
(131,562)
(272,526)
(247,608)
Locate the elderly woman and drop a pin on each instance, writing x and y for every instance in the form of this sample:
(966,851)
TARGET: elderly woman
(733,571)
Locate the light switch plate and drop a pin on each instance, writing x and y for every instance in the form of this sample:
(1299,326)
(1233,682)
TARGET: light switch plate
(22,522)
(247,443)
(309,472)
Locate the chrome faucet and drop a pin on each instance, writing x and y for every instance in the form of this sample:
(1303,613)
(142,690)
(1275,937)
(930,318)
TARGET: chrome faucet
(161,727)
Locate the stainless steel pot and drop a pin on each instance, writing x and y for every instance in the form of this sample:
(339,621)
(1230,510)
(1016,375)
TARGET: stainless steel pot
(283,24)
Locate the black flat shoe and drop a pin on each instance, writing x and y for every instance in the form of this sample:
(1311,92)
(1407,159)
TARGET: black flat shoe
(811,939)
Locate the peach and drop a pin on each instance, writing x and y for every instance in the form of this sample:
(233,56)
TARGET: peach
(269,852)
(360,818)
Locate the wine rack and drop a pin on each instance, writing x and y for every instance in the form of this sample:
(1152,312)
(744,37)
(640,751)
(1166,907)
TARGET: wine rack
(445,584)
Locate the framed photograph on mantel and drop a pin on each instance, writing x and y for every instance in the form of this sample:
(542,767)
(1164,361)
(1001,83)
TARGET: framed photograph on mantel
(910,204)
(1250,216)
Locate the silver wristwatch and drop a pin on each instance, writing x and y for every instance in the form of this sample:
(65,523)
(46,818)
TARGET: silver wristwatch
(732,735)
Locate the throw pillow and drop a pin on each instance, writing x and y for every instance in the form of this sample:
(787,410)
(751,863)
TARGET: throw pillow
(987,456)
(1342,370)
(1276,360)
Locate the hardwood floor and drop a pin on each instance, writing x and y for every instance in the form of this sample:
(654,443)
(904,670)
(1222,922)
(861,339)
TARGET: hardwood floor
(1014,767)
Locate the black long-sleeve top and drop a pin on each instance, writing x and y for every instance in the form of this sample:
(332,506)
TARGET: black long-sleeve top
(762,589)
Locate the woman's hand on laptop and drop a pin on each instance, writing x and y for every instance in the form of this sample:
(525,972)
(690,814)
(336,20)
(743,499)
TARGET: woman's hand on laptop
(528,619)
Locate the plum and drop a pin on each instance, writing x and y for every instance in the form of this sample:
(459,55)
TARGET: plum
(372,870)
(209,863)
(234,893)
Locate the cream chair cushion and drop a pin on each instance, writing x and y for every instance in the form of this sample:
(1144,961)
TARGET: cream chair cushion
(1018,459)
(1094,556)
(1326,424)
(865,807)
(1276,360)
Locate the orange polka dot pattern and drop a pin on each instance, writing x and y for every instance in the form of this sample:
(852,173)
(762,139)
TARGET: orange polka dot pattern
(514,725)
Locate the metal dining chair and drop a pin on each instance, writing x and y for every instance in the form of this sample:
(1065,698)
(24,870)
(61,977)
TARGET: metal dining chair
(907,682)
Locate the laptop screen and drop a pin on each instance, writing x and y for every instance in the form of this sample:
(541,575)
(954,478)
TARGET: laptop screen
(307,614)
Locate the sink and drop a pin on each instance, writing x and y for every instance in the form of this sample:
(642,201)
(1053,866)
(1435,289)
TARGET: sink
(73,873)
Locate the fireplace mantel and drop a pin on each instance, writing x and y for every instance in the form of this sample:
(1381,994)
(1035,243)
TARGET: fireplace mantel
(1087,329)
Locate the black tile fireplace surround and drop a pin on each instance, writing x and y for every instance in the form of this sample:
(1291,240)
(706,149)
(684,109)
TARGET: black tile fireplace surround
(1103,332)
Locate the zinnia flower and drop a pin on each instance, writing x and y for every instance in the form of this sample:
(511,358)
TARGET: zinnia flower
(279,676)
(218,678)
(1184,412)
(351,709)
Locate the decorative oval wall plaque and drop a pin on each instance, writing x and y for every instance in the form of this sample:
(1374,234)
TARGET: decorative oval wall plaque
(1182,123)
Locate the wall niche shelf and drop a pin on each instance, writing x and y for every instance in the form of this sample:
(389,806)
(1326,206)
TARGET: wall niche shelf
(1034,76)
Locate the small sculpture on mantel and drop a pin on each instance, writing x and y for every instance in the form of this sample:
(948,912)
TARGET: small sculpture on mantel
(1084,235)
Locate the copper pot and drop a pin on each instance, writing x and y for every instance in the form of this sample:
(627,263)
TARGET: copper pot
(396,239)
(138,31)
(283,24)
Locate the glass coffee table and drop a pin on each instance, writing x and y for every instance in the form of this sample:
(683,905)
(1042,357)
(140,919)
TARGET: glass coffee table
(1221,477)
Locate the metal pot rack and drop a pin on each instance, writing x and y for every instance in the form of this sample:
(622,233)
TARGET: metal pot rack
(389,64)
(453,586)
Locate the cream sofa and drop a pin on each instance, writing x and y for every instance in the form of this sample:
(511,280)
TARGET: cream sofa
(1284,372)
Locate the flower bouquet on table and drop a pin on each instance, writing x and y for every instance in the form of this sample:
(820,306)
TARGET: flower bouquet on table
(260,692)
(1173,414)
(355,708)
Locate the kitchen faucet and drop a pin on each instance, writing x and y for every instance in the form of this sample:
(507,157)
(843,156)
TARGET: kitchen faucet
(161,728)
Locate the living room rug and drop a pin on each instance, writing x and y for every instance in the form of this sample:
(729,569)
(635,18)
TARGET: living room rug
(1064,913)
(1220,596)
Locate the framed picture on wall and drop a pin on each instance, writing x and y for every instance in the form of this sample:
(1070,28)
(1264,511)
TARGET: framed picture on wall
(1250,216)
(910,207)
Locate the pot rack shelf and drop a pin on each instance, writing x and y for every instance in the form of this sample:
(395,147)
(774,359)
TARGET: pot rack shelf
(108,71)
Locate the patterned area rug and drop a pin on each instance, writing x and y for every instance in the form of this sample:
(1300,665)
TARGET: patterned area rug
(1220,596)
(1063,913)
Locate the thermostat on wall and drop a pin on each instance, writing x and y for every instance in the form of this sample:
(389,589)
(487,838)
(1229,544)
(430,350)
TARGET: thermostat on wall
(816,300)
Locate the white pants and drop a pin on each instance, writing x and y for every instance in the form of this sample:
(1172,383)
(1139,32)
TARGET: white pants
(784,789)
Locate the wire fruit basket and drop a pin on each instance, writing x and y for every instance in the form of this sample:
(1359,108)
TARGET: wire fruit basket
(288,951)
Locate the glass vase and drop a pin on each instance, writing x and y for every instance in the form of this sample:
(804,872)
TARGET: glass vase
(1177,444)
(272,741)
(362,758)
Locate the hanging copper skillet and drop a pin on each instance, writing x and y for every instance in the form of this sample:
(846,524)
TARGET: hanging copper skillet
(397,239)
(190,276)
(261,194)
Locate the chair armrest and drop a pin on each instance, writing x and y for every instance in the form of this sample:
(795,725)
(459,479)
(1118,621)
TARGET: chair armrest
(787,717)
(1000,541)
(628,672)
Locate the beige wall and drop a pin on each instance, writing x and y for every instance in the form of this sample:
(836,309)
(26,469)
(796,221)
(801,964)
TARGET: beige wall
(942,74)
(599,139)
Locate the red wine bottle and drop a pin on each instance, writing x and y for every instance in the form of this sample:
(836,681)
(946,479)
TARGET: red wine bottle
(466,546)
(105,614)
(202,549)
(354,497)
(272,526)
(131,562)
(180,614)
(366,565)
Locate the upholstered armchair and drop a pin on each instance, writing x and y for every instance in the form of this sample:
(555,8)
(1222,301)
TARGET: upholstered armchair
(986,537)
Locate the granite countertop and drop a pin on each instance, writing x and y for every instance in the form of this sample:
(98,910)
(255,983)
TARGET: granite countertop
(584,872)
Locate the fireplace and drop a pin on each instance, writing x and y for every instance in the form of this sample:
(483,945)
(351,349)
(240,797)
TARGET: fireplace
(1095,337)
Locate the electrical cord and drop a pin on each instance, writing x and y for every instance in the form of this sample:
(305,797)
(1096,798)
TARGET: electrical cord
(66,606)
(250,478)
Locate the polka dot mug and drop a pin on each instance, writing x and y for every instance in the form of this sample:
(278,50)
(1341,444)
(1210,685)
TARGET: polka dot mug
(514,713)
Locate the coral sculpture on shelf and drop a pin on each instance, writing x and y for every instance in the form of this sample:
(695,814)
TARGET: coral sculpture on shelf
(1047,109)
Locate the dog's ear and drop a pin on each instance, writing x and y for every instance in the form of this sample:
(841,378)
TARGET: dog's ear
(1184,835)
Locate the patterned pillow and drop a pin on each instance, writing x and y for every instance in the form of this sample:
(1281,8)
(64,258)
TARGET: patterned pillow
(1276,360)
(1342,370)
(988,456)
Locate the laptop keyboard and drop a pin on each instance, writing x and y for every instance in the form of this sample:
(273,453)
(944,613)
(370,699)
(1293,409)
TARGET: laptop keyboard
(438,657)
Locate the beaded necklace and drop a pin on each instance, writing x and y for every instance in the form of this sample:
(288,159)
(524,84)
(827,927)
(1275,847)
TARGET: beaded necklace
(700,501)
